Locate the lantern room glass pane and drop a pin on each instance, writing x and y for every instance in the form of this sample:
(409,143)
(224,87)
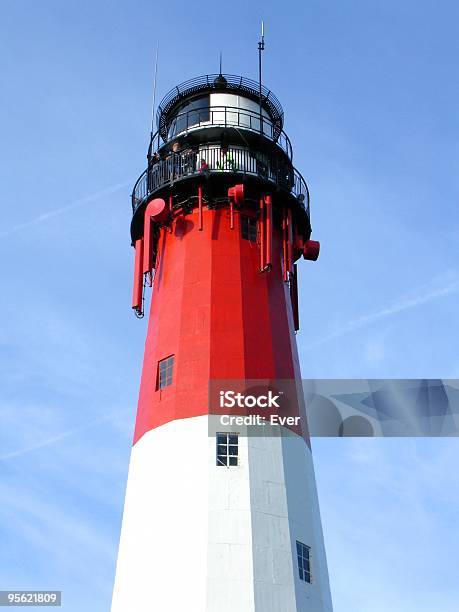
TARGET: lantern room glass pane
(190,114)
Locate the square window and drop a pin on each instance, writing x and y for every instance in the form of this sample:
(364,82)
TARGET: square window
(227,454)
(165,369)
(303,553)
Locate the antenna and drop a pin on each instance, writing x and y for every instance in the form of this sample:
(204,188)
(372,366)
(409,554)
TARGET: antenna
(154,88)
(153,103)
(220,62)
(261,48)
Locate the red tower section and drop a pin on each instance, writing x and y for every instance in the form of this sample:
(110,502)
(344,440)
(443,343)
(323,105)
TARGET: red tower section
(220,217)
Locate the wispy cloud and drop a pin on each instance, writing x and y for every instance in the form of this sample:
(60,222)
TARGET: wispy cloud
(61,436)
(60,522)
(98,195)
(422,296)
(395,490)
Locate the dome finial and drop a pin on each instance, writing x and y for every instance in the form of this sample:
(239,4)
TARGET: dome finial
(220,80)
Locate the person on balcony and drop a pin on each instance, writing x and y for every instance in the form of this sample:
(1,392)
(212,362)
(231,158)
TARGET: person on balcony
(154,159)
(173,160)
(189,160)
(227,161)
(153,171)
(204,167)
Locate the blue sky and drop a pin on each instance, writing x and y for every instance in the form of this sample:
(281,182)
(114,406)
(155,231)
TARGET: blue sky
(370,97)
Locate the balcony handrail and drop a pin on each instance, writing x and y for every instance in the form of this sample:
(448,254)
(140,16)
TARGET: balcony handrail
(213,159)
(229,116)
(208,82)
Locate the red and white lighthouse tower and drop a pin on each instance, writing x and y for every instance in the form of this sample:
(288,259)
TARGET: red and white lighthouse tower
(215,519)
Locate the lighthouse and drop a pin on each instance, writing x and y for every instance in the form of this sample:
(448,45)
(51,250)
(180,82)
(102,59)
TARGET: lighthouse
(221,511)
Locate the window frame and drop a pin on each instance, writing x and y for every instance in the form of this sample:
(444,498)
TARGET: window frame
(189,115)
(304,562)
(167,372)
(230,455)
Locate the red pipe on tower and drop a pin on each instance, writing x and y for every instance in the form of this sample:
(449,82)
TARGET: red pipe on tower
(284,243)
(156,211)
(200,208)
(290,241)
(147,243)
(236,196)
(269,231)
(137,292)
(262,235)
(294,297)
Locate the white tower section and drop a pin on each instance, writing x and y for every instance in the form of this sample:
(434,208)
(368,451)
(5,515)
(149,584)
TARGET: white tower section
(202,537)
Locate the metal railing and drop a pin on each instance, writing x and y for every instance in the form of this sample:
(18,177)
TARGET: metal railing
(228,116)
(213,159)
(208,82)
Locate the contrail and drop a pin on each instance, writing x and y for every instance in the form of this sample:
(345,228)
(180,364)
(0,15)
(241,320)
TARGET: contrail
(59,211)
(59,437)
(400,306)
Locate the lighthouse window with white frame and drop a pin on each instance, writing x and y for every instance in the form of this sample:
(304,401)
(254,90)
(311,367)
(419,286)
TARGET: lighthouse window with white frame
(304,561)
(227,449)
